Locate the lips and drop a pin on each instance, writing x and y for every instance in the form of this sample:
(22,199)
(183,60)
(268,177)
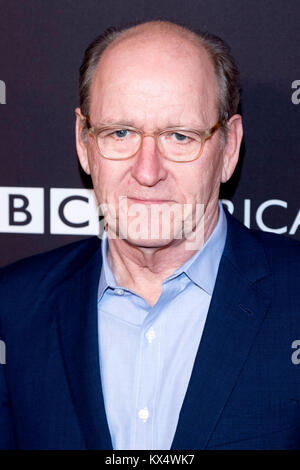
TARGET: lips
(148,201)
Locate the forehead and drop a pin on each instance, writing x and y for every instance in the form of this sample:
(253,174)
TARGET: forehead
(154,77)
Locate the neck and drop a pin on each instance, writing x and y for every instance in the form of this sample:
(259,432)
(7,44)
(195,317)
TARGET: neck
(143,269)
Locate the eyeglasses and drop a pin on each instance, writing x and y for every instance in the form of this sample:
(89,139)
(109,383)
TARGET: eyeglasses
(176,144)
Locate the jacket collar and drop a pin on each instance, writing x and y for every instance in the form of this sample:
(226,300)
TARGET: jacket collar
(78,333)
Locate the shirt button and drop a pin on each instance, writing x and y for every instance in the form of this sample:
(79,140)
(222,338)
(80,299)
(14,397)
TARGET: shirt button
(144,414)
(118,291)
(150,335)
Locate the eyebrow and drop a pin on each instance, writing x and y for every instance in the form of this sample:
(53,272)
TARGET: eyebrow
(129,123)
(110,122)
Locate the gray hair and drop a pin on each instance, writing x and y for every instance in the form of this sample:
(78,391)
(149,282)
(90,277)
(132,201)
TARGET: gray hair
(226,70)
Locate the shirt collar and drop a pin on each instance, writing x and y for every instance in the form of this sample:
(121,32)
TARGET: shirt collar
(107,279)
(201,268)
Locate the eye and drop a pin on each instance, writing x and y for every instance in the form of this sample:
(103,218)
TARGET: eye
(177,136)
(121,133)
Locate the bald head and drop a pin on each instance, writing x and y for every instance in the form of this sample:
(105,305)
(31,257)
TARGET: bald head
(164,30)
(173,41)
(148,66)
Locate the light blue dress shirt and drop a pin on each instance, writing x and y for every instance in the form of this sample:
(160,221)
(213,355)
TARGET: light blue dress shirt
(147,353)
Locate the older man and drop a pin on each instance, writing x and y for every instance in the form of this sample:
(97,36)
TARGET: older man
(155,339)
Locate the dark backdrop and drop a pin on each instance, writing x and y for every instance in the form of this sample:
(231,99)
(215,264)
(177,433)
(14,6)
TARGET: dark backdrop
(41,47)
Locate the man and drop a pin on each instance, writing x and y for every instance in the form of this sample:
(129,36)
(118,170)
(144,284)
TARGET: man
(182,340)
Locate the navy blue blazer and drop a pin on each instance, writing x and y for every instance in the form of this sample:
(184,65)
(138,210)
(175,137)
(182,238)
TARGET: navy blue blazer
(244,392)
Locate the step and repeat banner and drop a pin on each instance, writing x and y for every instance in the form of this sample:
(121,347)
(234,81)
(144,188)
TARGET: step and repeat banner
(45,199)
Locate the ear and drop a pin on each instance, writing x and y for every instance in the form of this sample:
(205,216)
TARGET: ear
(232,146)
(81,141)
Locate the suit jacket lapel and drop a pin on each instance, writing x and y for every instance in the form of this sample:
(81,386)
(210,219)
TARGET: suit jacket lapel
(237,309)
(78,332)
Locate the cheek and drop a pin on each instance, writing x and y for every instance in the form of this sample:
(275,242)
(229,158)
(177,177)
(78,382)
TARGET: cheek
(201,180)
(108,178)
(98,174)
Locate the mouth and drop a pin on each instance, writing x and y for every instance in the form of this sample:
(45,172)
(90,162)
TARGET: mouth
(149,201)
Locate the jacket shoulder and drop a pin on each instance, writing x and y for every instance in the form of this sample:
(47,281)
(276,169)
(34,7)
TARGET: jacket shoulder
(279,248)
(51,267)
(252,249)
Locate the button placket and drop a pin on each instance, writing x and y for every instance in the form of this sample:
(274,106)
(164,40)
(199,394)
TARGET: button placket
(143,414)
(147,386)
(150,335)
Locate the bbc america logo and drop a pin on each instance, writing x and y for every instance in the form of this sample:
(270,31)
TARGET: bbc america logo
(72,211)
(75,211)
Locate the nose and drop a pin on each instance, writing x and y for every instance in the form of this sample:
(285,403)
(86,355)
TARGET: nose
(148,166)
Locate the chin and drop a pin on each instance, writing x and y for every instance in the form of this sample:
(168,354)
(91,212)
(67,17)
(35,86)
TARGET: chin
(150,243)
